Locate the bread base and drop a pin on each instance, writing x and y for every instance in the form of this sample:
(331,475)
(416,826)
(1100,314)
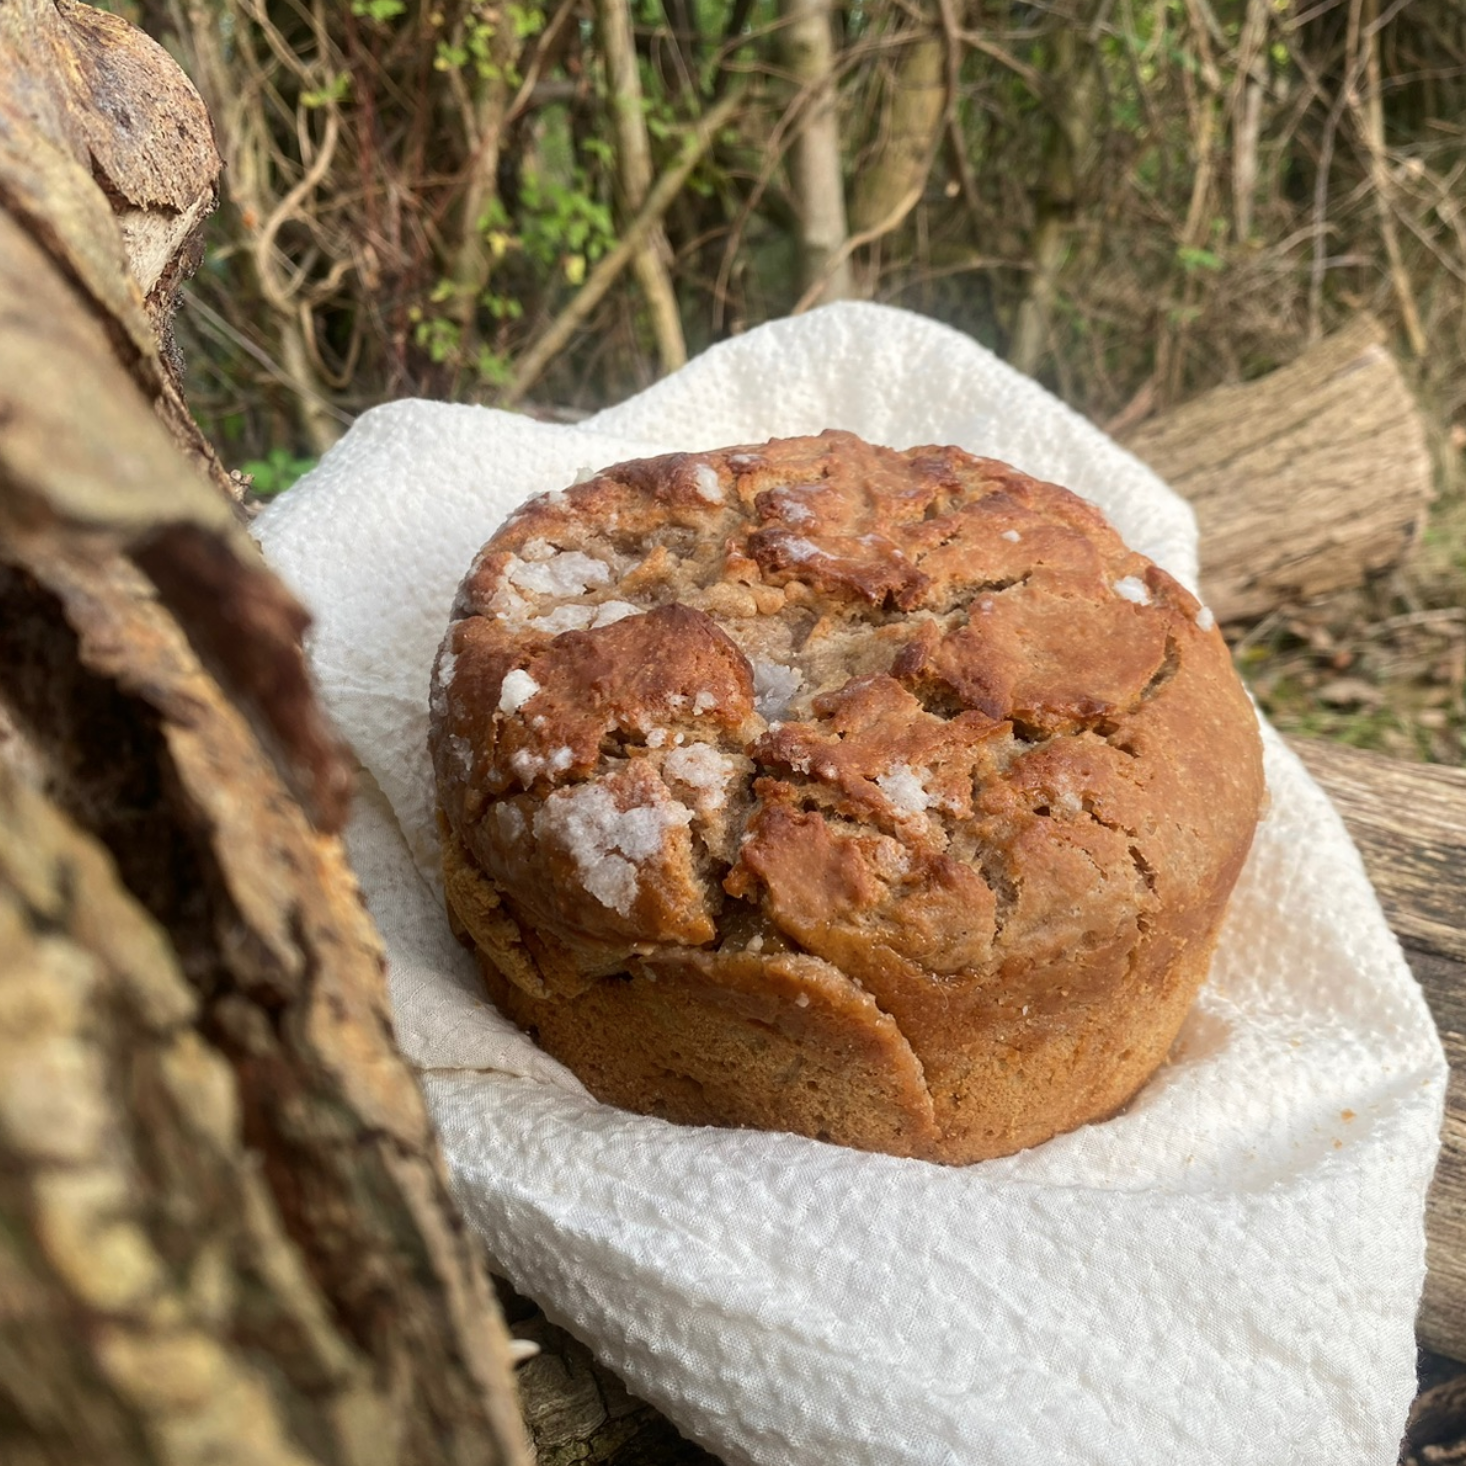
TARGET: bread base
(793,1045)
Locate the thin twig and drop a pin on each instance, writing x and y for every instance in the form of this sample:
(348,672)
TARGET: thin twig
(547,39)
(634,174)
(213,319)
(1031,78)
(966,178)
(1372,126)
(858,241)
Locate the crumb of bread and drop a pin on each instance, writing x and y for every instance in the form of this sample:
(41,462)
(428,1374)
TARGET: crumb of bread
(462,751)
(527,766)
(1131,588)
(516,690)
(801,550)
(790,503)
(905,791)
(569,617)
(511,821)
(607,844)
(560,573)
(609,612)
(704,769)
(438,693)
(774,686)
(709,487)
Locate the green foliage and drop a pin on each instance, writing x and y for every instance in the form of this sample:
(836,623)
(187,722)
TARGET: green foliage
(439,336)
(380,11)
(334,92)
(501,307)
(565,224)
(1143,176)
(478,45)
(276,472)
(493,367)
(526,20)
(1190,258)
(1294,708)
(400,291)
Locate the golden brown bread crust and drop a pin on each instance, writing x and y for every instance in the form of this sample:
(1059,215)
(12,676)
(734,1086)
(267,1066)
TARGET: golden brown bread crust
(880,797)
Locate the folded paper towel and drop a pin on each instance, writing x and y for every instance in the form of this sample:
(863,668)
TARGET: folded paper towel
(1226,1273)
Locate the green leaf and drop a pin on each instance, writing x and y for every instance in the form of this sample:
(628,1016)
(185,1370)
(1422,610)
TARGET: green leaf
(527,20)
(275,473)
(335,90)
(493,368)
(1191,258)
(380,11)
(439,338)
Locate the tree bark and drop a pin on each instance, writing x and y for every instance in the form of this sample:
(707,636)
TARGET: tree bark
(225,1229)
(1075,94)
(127,225)
(634,170)
(1246,106)
(579,1413)
(1303,482)
(485,105)
(892,184)
(814,155)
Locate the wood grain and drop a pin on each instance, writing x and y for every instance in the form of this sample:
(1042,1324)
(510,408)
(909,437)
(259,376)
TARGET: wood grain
(1441,1326)
(1409,822)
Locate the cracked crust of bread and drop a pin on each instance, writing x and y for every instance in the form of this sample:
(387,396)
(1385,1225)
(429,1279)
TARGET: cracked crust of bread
(881,797)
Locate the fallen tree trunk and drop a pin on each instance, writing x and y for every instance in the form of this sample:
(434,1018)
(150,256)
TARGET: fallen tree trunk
(225,1229)
(1304,481)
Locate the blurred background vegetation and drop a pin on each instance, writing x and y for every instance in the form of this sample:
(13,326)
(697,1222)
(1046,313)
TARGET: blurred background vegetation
(549,203)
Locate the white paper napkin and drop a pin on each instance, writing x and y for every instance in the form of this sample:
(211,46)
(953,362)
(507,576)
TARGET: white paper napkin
(1226,1273)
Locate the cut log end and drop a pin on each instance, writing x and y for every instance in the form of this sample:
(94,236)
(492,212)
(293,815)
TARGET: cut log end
(1332,447)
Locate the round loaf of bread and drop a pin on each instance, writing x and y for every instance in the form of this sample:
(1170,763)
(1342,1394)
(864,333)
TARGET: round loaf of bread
(881,797)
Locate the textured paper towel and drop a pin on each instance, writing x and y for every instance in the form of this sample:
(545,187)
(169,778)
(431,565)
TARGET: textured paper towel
(1226,1273)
